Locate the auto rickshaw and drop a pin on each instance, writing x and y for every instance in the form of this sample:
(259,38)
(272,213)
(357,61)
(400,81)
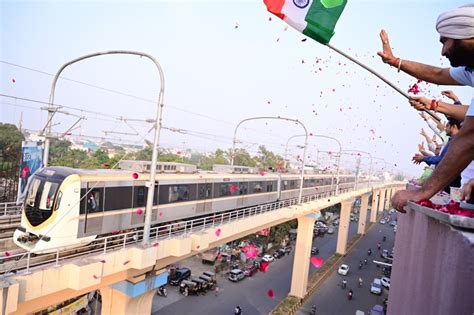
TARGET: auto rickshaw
(202,285)
(209,282)
(211,275)
(187,287)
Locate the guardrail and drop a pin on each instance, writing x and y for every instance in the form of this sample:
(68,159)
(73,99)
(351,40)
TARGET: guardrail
(119,241)
(9,208)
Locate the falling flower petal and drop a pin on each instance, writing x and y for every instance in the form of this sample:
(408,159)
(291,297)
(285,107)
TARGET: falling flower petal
(316,261)
(218,232)
(7,254)
(261,173)
(126,262)
(115,232)
(161,213)
(271,294)
(95,277)
(270,18)
(139,211)
(13,80)
(304,39)
(135,175)
(197,247)
(155,244)
(103,261)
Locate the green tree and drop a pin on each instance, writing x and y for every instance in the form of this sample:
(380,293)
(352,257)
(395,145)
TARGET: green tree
(243,158)
(219,157)
(267,159)
(10,140)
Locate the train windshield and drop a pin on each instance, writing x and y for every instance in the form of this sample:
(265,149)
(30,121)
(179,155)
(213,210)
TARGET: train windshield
(40,200)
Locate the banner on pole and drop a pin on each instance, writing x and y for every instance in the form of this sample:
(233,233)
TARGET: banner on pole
(31,161)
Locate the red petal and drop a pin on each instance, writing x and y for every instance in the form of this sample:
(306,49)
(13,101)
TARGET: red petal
(103,261)
(271,294)
(156,244)
(161,213)
(218,232)
(261,173)
(139,211)
(135,175)
(7,254)
(13,80)
(316,261)
(126,262)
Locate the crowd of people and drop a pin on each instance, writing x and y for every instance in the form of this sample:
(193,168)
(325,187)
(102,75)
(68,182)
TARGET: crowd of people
(451,150)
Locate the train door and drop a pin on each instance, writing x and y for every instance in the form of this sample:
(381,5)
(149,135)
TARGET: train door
(93,208)
(204,196)
(242,190)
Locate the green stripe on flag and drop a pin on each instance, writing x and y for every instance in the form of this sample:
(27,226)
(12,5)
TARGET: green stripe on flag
(322,17)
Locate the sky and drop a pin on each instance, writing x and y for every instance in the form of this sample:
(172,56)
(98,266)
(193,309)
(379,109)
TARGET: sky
(223,61)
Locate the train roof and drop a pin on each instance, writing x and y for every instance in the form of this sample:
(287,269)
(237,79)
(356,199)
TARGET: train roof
(86,174)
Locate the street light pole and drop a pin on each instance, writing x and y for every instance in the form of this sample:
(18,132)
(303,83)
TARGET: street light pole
(326,137)
(156,138)
(371,160)
(234,141)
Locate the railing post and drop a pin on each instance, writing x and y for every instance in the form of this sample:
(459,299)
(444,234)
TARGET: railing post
(28,262)
(204,224)
(169,234)
(191,227)
(57,258)
(124,240)
(105,245)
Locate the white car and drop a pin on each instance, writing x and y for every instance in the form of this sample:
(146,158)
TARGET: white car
(268,258)
(383,221)
(385,282)
(376,286)
(343,270)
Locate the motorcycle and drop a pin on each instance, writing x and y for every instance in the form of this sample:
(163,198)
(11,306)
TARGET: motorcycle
(344,283)
(162,291)
(313,310)
(238,310)
(349,295)
(360,282)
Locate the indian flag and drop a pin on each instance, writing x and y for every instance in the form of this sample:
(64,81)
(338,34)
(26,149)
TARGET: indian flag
(314,18)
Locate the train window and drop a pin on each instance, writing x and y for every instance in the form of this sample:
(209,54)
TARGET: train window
(47,196)
(140,196)
(270,187)
(256,187)
(178,193)
(32,190)
(204,191)
(93,201)
(58,200)
(118,198)
(224,189)
(243,188)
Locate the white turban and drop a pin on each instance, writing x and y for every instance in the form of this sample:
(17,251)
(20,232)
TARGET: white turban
(457,23)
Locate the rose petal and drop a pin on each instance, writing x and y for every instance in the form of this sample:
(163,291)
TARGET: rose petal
(139,211)
(261,173)
(126,262)
(115,232)
(7,254)
(316,261)
(103,261)
(161,213)
(95,277)
(13,80)
(218,232)
(197,247)
(156,244)
(135,175)
(271,294)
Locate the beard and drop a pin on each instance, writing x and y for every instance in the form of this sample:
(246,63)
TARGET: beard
(461,54)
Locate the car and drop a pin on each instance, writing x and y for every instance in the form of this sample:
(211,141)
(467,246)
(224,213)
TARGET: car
(278,254)
(387,271)
(382,221)
(385,282)
(235,275)
(343,270)
(377,310)
(376,286)
(384,253)
(314,251)
(250,269)
(395,229)
(331,230)
(286,249)
(268,258)
(180,275)
(392,211)
(393,223)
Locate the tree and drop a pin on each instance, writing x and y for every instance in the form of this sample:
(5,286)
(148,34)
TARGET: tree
(219,157)
(243,158)
(10,140)
(267,159)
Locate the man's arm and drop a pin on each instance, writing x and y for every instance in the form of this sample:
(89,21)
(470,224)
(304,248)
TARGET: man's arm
(454,111)
(418,70)
(458,156)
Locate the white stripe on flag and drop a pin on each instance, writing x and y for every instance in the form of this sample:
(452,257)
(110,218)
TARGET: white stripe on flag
(294,15)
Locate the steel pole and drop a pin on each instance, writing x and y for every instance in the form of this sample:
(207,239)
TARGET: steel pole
(151,183)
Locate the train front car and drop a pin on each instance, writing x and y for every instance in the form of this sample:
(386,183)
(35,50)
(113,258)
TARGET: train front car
(50,210)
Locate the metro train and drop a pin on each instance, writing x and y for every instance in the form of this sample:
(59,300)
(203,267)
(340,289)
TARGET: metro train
(67,207)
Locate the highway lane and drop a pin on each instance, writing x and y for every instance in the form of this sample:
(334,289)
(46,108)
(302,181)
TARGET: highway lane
(250,293)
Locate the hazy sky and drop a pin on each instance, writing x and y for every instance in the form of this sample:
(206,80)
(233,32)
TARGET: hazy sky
(223,61)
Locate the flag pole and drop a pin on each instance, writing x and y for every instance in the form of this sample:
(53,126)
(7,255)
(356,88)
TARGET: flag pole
(393,86)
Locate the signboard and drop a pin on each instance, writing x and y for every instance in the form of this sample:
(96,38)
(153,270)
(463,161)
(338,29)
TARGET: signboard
(31,161)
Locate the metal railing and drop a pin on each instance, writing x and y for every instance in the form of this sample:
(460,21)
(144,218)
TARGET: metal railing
(27,260)
(9,208)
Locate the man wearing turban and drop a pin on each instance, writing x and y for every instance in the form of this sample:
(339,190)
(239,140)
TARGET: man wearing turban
(456,30)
